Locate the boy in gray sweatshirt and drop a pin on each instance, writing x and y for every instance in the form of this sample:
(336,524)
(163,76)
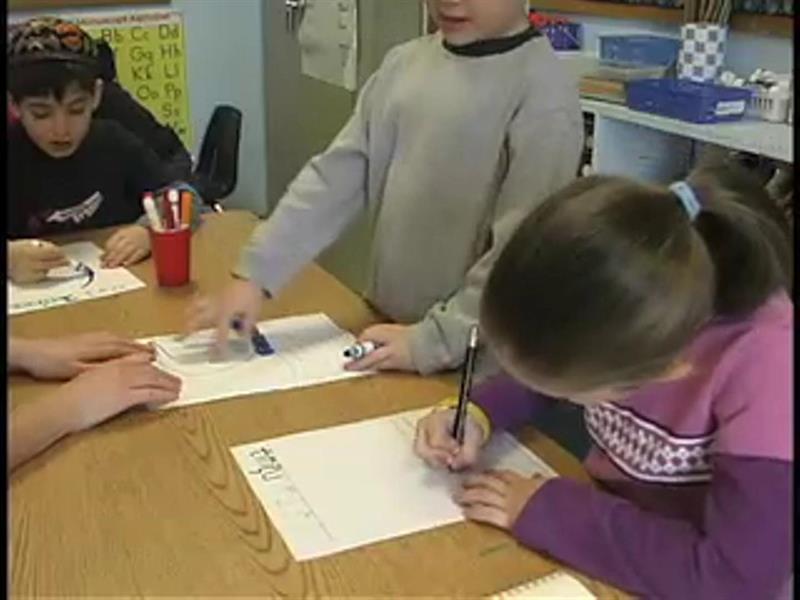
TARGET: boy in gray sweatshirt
(454,139)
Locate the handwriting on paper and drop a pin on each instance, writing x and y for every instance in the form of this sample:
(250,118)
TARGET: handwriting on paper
(380,488)
(89,283)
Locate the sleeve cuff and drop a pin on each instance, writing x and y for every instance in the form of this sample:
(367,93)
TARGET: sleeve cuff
(427,351)
(473,410)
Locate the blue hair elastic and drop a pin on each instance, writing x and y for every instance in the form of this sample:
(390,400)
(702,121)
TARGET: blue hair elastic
(688,198)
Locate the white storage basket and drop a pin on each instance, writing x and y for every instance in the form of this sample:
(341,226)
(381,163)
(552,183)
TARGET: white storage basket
(770,107)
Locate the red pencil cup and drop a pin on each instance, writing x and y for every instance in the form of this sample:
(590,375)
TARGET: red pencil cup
(172,253)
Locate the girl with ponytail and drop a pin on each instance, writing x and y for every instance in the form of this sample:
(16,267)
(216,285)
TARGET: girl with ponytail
(665,313)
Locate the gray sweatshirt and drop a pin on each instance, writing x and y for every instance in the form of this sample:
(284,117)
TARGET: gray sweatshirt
(451,152)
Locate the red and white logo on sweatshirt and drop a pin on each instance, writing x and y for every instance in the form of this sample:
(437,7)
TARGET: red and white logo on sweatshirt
(78,213)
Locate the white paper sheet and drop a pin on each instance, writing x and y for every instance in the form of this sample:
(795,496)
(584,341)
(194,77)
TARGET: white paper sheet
(63,286)
(328,39)
(343,487)
(308,351)
(556,586)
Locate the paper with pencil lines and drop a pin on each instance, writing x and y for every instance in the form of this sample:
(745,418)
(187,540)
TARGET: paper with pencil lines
(339,488)
(308,351)
(67,285)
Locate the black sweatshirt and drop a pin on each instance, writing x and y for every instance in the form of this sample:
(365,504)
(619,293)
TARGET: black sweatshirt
(100,185)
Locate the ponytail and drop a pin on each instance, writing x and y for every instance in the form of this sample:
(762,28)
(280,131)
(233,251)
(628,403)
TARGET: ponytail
(747,238)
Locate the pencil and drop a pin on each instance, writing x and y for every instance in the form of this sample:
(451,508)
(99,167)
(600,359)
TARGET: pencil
(466,385)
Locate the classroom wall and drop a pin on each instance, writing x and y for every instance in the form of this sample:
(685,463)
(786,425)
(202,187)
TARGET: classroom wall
(224,45)
(746,52)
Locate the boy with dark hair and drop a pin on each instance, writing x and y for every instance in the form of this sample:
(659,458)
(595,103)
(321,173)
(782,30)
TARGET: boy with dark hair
(67,171)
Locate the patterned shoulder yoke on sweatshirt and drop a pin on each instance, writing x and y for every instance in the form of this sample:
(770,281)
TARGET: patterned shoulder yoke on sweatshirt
(647,451)
(49,38)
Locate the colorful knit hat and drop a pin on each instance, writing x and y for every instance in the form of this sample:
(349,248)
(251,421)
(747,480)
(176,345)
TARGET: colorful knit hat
(49,39)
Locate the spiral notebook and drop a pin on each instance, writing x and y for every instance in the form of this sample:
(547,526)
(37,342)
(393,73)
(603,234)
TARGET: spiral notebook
(556,586)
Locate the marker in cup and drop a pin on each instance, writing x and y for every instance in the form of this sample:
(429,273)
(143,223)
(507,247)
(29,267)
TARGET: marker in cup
(151,212)
(172,198)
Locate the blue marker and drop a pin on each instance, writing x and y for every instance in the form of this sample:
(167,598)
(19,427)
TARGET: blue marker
(260,343)
(360,349)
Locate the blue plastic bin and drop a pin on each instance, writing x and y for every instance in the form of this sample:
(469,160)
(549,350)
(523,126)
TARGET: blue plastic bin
(688,100)
(563,36)
(639,50)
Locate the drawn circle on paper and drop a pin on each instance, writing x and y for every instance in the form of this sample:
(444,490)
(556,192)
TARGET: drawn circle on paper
(47,289)
(80,272)
(196,361)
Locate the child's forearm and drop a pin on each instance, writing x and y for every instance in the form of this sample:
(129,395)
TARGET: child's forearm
(742,548)
(20,352)
(320,203)
(507,403)
(36,426)
(325,197)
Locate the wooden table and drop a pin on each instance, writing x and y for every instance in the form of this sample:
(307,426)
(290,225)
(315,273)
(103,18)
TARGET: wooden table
(153,504)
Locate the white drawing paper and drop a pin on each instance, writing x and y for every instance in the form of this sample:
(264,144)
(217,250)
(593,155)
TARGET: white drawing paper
(308,351)
(328,38)
(555,586)
(339,488)
(68,285)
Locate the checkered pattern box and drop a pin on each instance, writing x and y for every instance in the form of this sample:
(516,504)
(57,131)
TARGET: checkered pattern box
(702,51)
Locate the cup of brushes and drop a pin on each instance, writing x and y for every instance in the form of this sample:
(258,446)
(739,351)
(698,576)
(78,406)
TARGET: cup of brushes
(170,220)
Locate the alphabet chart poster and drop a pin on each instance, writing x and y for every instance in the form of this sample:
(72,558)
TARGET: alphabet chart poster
(69,284)
(150,54)
(342,487)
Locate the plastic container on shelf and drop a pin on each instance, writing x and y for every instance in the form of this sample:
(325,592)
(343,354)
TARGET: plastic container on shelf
(628,73)
(577,62)
(639,50)
(688,100)
(563,36)
(769,105)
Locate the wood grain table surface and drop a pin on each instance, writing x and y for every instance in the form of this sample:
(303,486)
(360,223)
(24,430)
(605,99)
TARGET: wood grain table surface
(152,503)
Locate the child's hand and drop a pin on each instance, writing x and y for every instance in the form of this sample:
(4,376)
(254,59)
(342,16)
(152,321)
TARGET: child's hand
(242,298)
(435,444)
(101,393)
(30,260)
(64,358)
(497,497)
(394,353)
(126,247)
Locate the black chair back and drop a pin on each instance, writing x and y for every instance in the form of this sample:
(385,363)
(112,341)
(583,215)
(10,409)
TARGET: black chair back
(217,168)
(107,60)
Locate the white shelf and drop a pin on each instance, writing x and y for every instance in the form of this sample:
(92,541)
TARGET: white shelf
(773,140)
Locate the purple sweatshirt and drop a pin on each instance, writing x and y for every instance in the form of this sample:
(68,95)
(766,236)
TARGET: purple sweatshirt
(695,475)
